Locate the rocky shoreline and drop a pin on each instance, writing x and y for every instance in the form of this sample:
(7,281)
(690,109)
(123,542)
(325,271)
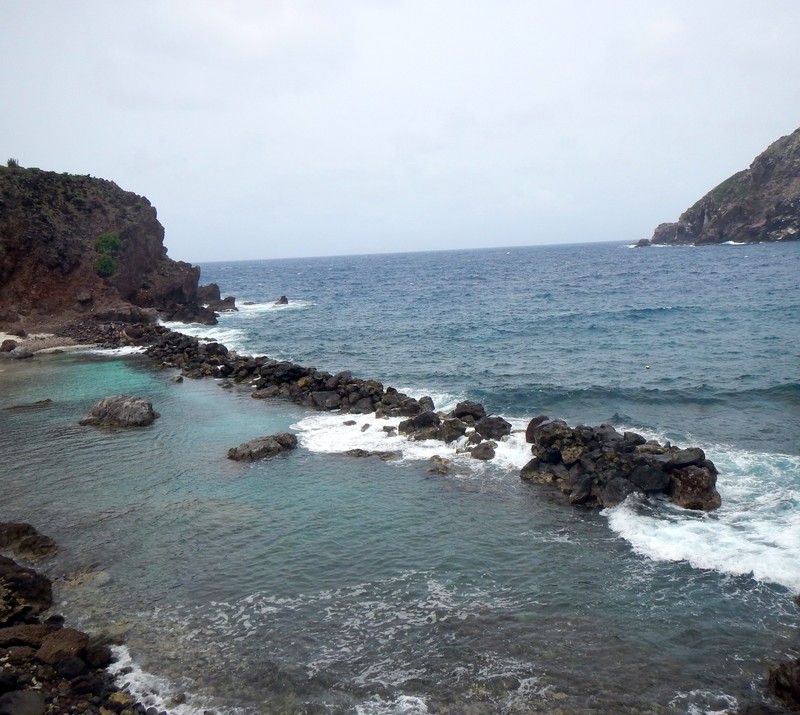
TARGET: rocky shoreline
(47,668)
(584,466)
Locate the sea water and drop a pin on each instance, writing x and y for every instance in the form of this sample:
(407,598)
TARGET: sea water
(319,582)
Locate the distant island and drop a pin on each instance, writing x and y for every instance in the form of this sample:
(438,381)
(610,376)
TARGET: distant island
(80,248)
(758,205)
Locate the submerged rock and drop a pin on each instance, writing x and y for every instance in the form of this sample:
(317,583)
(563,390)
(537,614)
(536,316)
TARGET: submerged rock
(121,411)
(24,541)
(263,447)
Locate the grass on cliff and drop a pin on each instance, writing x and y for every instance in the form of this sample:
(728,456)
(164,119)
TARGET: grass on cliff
(106,244)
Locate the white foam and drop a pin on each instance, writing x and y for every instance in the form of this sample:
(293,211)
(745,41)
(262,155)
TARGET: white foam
(156,691)
(233,338)
(125,350)
(755,532)
(402,705)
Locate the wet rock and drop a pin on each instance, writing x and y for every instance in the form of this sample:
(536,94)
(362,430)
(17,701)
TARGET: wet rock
(492,427)
(283,300)
(61,644)
(784,682)
(484,451)
(694,488)
(23,702)
(25,541)
(24,593)
(20,353)
(121,411)
(439,465)
(8,345)
(451,429)
(467,408)
(263,447)
(616,491)
(426,403)
(649,478)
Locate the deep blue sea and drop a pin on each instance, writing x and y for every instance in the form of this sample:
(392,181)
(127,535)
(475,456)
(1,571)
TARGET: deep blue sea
(321,583)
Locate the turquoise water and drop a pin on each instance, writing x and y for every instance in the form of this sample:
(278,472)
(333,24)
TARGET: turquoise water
(317,582)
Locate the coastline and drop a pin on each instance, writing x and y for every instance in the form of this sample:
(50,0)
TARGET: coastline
(188,368)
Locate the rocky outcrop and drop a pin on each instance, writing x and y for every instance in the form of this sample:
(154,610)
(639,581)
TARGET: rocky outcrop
(263,447)
(759,204)
(121,411)
(598,466)
(46,668)
(78,246)
(24,541)
(784,681)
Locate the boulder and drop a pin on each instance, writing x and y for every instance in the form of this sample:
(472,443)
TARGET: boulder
(61,644)
(23,593)
(426,403)
(8,345)
(20,353)
(23,702)
(784,681)
(469,409)
(492,427)
(451,429)
(263,447)
(694,487)
(121,411)
(225,305)
(24,541)
(283,300)
(208,293)
(484,451)
(615,491)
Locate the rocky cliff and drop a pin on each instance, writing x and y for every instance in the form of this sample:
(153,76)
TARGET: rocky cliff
(759,204)
(76,247)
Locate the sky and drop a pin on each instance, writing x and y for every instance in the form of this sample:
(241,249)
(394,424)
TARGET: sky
(289,128)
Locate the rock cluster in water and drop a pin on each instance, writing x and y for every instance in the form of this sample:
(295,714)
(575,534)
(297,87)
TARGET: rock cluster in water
(598,466)
(593,466)
(121,411)
(46,668)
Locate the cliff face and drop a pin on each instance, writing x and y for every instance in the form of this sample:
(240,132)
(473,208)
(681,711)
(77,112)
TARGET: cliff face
(759,204)
(75,246)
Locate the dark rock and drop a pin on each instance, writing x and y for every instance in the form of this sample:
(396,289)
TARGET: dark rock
(263,447)
(225,305)
(208,293)
(426,403)
(24,541)
(616,491)
(484,451)
(121,411)
(61,644)
(581,493)
(784,682)
(492,427)
(28,634)
(439,465)
(283,300)
(532,425)
(98,655)
(70,667)
(695,488)
(23,592)
(384,456)
(468,409)
(451,429)
(687,458)
(649,478)
(7,682)
(8,345)
(23,702)
(326,400)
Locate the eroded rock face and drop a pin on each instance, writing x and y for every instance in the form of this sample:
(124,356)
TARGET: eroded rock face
(784,681)
(598,466)
(24,593)
(759,204)
(121,411)
(24,541)
(263,447)
(54,265)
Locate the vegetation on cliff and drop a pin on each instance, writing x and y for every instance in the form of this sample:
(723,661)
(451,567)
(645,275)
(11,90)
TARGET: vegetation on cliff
(76,246)
(759,204)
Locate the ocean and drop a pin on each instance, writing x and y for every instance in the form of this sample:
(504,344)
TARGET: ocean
(317,582)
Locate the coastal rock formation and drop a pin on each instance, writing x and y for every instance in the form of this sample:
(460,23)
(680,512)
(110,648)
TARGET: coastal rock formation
(121,411)
(784,681)
(45,667)
(759,204)
(79,246)
(24,541)
(598,466)
(263,447)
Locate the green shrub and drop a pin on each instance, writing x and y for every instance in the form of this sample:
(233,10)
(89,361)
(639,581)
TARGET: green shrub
(107,243)
(12,164)
(104,266)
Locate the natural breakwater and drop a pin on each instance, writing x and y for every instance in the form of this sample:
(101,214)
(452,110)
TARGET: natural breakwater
(357,584)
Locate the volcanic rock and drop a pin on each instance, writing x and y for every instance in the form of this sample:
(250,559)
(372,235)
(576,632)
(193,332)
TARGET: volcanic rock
(121,411)
(263,447)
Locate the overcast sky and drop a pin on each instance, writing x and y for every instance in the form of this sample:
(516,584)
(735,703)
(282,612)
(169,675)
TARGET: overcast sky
(267,129)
